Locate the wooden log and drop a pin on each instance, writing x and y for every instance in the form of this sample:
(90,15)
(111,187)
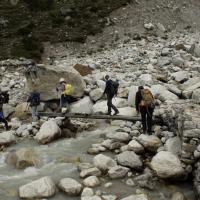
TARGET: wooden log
(96,116)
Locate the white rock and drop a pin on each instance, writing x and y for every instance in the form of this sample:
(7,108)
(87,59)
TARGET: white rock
(83,106)
(167,165)
(117,172)
(136,197)
(70,186)
(103,162)
(43,187)
(127,111)
(7,138)
(129,159)
(87,192)
(91,181)
(48,132)
(196,95)
(109,197)
(96,94)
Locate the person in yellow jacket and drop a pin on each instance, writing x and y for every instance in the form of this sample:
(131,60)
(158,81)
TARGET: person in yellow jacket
(65,90)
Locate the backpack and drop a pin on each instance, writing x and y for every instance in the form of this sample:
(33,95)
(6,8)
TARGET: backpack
(147,98)
(34,99)
(114,88)
(68,89)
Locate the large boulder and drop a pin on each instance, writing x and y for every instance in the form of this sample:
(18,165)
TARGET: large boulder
(21,111)
(23,158)
(180,76)
(135,146)
(8,110)
(48,76)
(96,94)
(150,142)
(70,186)
(48,132)
(167,165)
(131,95)
(189,86)
(145,79)
(83,106)
(127,111)
(136,197)
(41,188)
(7,138)
(101,106)
(83,69)
(129,159)
(103,162)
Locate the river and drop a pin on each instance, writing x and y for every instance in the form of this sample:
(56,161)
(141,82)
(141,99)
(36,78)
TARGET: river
(53,156)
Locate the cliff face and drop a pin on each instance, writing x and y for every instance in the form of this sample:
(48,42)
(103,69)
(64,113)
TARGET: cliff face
(24,24)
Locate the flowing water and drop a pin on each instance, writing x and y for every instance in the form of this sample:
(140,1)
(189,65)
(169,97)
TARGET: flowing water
(53,156)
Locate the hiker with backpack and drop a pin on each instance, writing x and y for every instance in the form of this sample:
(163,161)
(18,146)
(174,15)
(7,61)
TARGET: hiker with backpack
(144,103)
(34,100)
(111,91)
(65,91)
(4,98)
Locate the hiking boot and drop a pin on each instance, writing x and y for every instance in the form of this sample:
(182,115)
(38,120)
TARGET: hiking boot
(108,113)
(116,112)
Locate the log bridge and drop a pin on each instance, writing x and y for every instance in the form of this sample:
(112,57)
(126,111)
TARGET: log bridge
(97,116)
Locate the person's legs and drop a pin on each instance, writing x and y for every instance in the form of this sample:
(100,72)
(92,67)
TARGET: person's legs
(109,104)
(34,113)
(2,119)
(143,117)
(149,120)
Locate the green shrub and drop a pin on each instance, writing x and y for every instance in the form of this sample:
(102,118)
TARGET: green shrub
(40,5)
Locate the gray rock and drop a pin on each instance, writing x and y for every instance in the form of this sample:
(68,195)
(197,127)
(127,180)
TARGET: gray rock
(43,187)
(135,146)
(83,106)
(95,197)
(103,162)
(196,95)
(109,197)
(150,142)
(129,159)
(178,61)
(163,163)
(180,76)
(145,79)
(48,132)
(90,172)
(8,110)
(117,172)
(119,136)
(70,186)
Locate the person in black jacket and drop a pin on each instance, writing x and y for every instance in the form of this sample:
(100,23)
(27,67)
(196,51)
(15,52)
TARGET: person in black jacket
(2,118)
(145,111)
(110,92)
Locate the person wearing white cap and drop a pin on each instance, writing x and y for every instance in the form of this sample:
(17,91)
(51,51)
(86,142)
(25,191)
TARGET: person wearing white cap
(65,90)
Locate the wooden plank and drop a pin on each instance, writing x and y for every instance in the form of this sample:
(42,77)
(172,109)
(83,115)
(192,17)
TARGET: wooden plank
(96,116)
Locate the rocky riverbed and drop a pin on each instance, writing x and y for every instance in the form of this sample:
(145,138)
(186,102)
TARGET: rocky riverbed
(114,160)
